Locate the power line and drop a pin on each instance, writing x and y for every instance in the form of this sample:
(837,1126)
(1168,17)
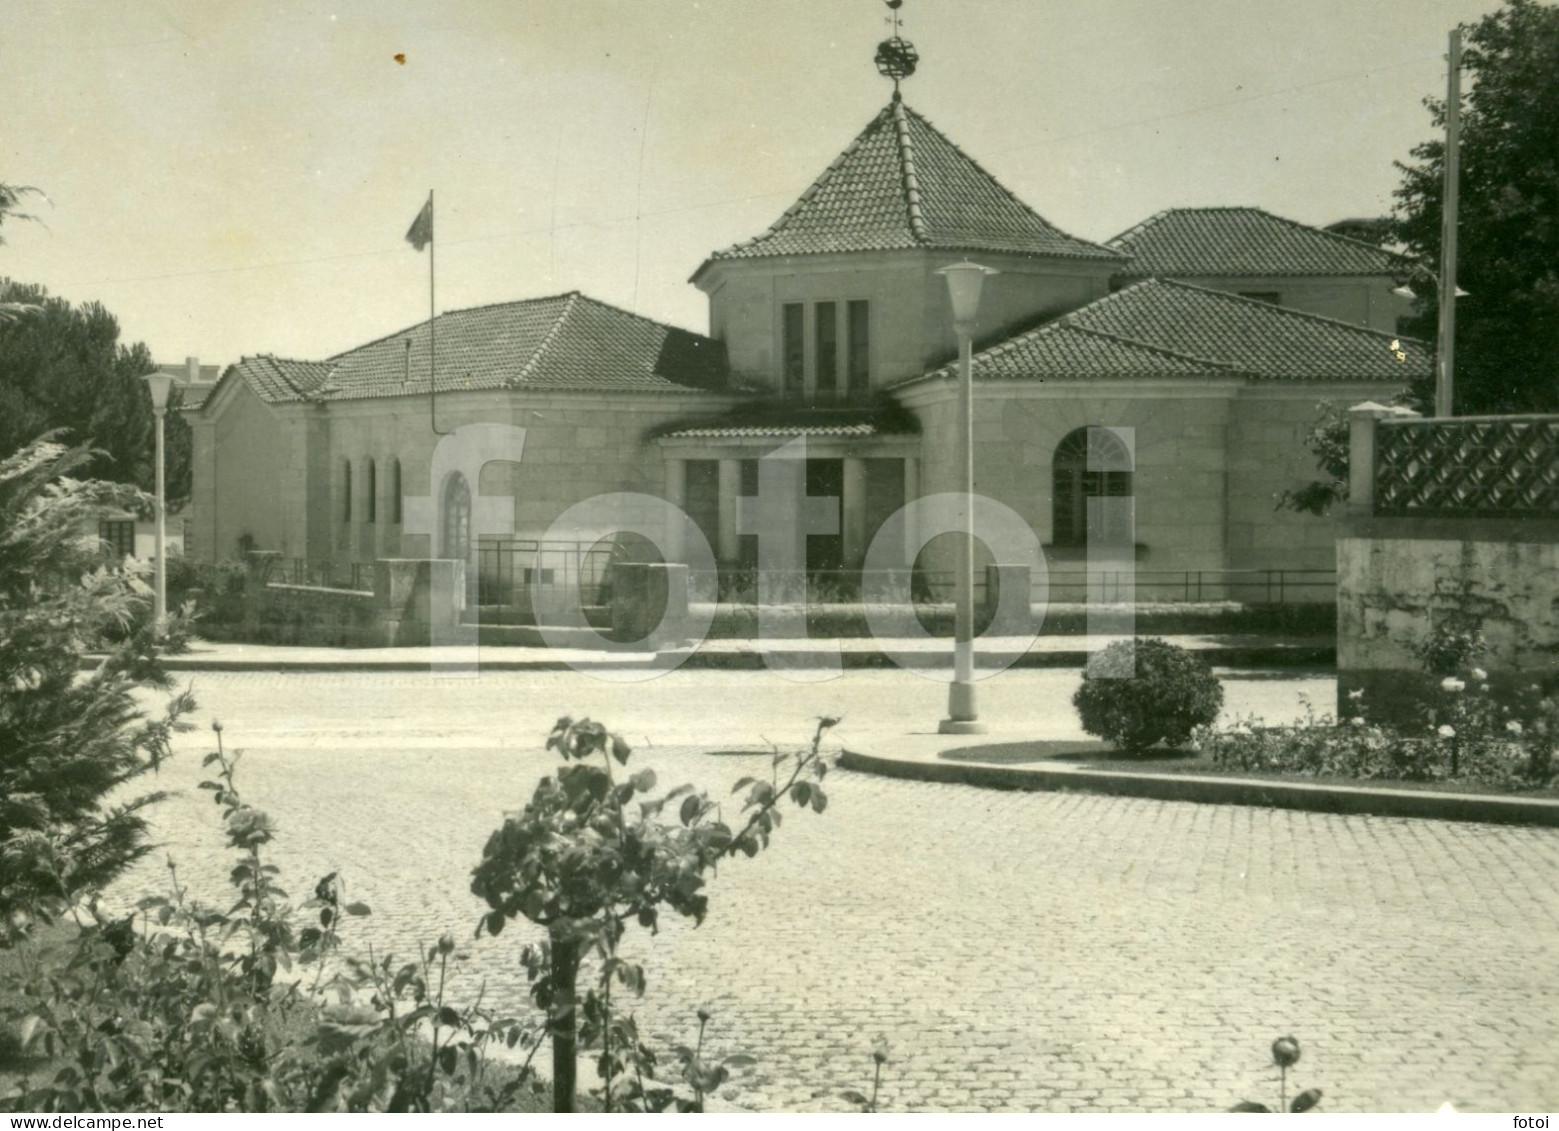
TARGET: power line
(639,216)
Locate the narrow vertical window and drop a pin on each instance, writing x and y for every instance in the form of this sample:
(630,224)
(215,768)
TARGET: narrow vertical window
(371,494)
(858,363)
(395,492)
(794,350)
(826,352)
(346,491)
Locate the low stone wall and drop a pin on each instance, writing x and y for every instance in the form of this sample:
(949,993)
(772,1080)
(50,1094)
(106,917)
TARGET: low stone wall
(1399,577)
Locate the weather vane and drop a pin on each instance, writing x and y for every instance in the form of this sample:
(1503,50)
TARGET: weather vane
(896,56)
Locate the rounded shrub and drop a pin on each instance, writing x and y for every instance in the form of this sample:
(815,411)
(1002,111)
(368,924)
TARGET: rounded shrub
(1137,693)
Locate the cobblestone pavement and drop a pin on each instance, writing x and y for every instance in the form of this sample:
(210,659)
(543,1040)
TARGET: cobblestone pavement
(1021,951)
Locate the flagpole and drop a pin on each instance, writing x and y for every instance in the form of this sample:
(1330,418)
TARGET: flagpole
(432,324)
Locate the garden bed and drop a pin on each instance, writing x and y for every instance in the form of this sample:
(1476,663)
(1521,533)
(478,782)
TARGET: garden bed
(1089,754)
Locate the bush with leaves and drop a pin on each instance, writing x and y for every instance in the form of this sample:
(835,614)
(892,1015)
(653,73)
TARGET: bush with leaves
(184,1007)
(68,740)
(1138,693)
(592,854)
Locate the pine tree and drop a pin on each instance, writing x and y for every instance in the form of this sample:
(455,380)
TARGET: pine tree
(70,741)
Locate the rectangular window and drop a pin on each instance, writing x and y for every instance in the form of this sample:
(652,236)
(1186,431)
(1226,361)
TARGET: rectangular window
(119,534)
(826,354)
(793,346)
(858,359)
(371,494)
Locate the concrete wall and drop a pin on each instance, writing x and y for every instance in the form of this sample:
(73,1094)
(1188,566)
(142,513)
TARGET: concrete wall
(911,321)
(280,475)
(1267,426)
(1396,577)
(243,448)
(1361,300)
(1179,484)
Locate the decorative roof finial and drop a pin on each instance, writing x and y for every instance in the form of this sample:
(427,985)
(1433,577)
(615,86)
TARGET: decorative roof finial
(896,56)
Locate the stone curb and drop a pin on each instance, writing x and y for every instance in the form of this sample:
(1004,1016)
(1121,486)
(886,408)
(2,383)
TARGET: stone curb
(743,659)
(1342,799)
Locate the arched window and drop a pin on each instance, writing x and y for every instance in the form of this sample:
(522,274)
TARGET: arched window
(371,493)
(457,518)
(395,492)
(346,491)
(1091,463)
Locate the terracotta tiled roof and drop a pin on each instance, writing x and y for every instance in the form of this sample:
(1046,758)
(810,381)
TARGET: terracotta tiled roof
(1245,241)
(903,184)
(783,420)
(277,379)
(1163,328)
(1063,350)
(562,342)
(191,397)
(1257,338)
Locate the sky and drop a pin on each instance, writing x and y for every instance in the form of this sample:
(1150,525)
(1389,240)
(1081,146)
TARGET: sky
(233,177)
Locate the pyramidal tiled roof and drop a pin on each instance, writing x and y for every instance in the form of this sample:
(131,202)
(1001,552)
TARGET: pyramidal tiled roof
(903,184)
(1253,337)
(564,342)
(1245,241)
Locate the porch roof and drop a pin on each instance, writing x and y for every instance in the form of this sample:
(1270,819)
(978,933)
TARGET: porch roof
(782,421)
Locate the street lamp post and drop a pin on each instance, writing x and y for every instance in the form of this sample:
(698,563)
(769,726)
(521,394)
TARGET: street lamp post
(964,281)
(160,384)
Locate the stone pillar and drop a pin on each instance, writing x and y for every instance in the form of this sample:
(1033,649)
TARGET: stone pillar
(911,493)
(650,604)
(676,495)
(729,549)
(853,512)
(1015,619)
(419,600)
(1362,422)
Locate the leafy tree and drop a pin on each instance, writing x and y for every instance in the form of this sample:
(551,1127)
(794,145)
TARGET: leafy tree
(1507,327)
(67,740)
(63,367)
(10,209)
(591,854)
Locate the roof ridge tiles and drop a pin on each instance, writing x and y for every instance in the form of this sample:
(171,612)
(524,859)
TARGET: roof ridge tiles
(534,361)
(1007,192)
(817,182)
(1289,311)
(1150,347)
(450,313)
(911,181)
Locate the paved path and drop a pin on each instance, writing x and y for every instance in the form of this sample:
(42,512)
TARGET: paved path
(1020,951)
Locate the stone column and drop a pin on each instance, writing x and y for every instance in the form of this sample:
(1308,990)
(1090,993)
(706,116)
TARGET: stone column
(1005,581)
(911,493)
(853,512)
(730,486)
(1362,421)
(676,494)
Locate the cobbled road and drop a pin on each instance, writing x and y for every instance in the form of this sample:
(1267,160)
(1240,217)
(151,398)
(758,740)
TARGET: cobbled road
(1020,951)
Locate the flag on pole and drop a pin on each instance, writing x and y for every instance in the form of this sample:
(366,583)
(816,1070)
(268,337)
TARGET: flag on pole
(421,232)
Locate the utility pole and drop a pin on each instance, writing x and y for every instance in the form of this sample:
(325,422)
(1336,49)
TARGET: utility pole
(1445,376)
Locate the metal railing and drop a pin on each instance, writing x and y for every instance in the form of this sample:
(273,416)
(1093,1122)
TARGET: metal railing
(1192,586)
(1069,586)
(1476,466)
(325,573)
(511,572)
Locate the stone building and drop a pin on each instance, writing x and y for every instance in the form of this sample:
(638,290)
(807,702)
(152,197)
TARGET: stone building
(1205,337)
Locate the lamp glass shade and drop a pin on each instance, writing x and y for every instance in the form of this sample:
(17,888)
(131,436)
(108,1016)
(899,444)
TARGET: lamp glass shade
(964,281)
(160,384)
